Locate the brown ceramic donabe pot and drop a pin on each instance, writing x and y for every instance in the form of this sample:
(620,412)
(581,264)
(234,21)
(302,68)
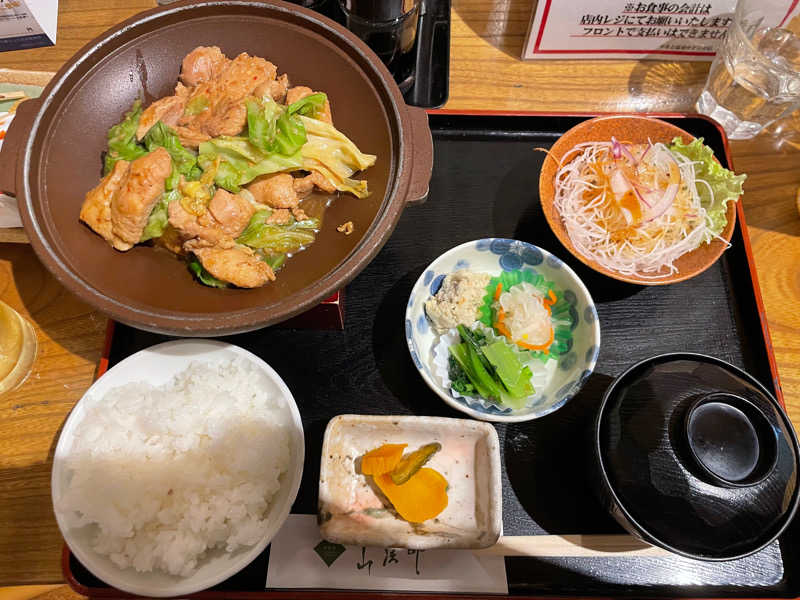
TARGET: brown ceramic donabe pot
(52,156)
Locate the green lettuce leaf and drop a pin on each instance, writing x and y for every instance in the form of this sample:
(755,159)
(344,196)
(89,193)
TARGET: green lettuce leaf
(161,135)
(159,216)
(122,143)
(726,185)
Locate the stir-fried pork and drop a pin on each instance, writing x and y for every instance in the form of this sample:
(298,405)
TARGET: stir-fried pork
(168,110)
(96,209)
(237,264)
(201,64)
(224,96)
(138,193)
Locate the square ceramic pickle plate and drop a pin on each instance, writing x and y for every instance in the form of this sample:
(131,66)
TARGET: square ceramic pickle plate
(353,511)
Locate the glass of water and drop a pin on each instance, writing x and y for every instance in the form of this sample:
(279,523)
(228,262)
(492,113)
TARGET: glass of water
(755,77)
(17,348)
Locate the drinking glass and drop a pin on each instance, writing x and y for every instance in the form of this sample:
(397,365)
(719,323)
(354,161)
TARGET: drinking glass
(755,77)
(17,348)
(389,27)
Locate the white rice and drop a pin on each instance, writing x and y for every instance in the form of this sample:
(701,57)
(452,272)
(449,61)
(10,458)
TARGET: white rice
(166,474)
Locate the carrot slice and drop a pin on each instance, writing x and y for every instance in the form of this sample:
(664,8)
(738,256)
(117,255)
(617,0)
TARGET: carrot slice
(543,347)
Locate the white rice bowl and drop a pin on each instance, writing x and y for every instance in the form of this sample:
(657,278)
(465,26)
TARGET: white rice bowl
(171,486)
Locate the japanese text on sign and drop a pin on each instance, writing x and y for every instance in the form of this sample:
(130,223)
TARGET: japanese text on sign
(624,29)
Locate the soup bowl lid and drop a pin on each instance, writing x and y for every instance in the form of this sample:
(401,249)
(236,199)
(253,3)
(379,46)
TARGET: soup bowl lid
(698,456)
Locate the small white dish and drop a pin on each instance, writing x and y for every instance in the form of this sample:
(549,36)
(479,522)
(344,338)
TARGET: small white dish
(493,256)
(158,365)
(350,512)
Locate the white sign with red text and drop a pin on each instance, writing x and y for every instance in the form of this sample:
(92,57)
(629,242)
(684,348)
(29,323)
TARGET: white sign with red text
(628,29)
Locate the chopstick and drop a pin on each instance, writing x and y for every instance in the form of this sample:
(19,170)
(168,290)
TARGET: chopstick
(12,95)
(571,545)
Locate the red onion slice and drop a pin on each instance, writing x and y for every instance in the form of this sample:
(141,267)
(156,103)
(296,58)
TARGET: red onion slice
(627,154)
(660,205)
(616,147)
(640,196)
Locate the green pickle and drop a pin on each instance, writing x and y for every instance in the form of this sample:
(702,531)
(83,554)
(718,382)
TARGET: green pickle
(409,466)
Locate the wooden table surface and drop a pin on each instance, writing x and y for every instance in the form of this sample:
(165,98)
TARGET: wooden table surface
(485,73)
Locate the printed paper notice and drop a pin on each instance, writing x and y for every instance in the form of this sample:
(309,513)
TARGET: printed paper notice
(27,23)
(300,558)
(625,29)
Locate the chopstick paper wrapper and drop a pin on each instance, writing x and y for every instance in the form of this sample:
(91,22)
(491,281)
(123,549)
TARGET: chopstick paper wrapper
(300,558)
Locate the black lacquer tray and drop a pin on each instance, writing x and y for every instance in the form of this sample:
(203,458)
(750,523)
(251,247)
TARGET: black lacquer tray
(485,184)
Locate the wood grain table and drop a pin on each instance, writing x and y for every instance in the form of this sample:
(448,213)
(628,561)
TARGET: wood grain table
(487,38)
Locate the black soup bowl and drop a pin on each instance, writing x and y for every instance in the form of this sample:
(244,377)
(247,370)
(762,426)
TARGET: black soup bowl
(695,456)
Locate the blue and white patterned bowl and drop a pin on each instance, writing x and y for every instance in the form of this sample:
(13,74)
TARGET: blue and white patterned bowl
(492,256)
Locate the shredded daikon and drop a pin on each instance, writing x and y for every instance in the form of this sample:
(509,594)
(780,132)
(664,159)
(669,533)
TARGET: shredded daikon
(526,316)
(641,222)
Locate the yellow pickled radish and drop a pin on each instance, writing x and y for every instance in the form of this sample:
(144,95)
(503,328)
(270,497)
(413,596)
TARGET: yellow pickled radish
(17,348)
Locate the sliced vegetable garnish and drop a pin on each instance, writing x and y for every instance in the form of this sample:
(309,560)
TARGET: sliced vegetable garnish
(422,497)
(406,468)
(562,314)
(382,459)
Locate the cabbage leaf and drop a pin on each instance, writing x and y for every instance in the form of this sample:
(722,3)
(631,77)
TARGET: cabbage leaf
(335,156)
(122,143)
(184,161)
(241,161)
(159,217)
(278,239)
(204,276)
